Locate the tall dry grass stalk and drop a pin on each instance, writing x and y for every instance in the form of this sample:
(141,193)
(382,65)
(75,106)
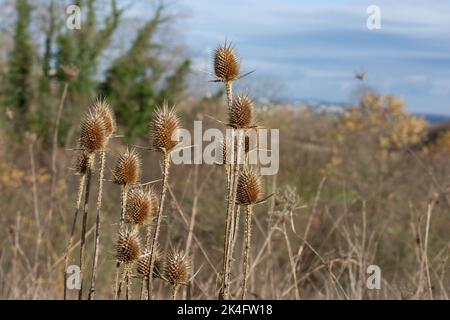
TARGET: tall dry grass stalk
(103,109)
(165,137)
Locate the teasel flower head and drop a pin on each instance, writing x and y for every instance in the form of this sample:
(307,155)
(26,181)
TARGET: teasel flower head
(143,264)
(103,109)
(128,168)
(241,113)
(83,163)
(70,72)
(178,268)
(93,135)
(141,206)
(165,129)
(128,247)
(249,188)
(226,63)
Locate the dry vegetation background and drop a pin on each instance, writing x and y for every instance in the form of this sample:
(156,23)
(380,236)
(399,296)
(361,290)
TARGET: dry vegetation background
(365,187)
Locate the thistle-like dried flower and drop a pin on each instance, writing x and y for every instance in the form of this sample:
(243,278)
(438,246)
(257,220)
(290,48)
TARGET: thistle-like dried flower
(70,72)
(83,163)
(241,113)
(93,133)
(103,109)
(143,264)
(128,247)
(226,63)
(141,206)
(165,129)
(128,168)
(178,268)
(249,188)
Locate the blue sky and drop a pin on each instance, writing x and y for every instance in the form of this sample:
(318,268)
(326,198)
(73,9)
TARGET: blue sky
(313,47)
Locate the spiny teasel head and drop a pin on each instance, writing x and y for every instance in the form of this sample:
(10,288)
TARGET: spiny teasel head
(70,72)
(83,163)
(128,168)
(93,135)
(128,247)
(165,129)
(141,206)
(241,113)
(249,188)
(178,268)
(103,109)
(226,63)
(143,264)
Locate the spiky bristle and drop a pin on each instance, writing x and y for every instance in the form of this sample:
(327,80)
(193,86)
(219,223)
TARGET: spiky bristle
(128,168)
(83,163)
(93,135)
(178,268)
(226,63)
(128,247)
(143,264)
(103,109)
(241,113)
(249,188)
(141,206)
(165,129)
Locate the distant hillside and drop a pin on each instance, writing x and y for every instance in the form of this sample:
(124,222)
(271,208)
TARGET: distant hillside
(434,118)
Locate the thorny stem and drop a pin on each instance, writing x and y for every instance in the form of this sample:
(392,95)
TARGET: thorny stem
(72,231)
(248,236)
(174,291)
(91,294)
(121,227)
(158,223)
(83,227)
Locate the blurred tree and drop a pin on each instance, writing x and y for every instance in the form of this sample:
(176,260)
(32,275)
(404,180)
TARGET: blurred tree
(18,84)
(139,80)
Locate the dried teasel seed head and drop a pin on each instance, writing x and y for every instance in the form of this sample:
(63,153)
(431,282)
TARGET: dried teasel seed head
(143,264)
(128,247)
(128,168)
(165,129)
(226,63)
(103,109)
(83,163)
(249,188)
(178,268)
(70,72)
(241,113)
(93,135)
(141,206)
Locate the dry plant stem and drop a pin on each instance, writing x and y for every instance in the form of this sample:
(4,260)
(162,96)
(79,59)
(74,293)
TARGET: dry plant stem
(91,295)
(83,228)
(72,231)
(54,150)
(248,238)
(166,167)
(174,291)
(121,227)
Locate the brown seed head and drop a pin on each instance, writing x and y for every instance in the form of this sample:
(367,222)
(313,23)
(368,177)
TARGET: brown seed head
(249,188)
(143,264)
(83,163)
(141,206)
(241,113)
(70,72)
(128,168)
(128,247)
(226,63)
(103,109)
(178,268)
(93,133)
(165,129)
